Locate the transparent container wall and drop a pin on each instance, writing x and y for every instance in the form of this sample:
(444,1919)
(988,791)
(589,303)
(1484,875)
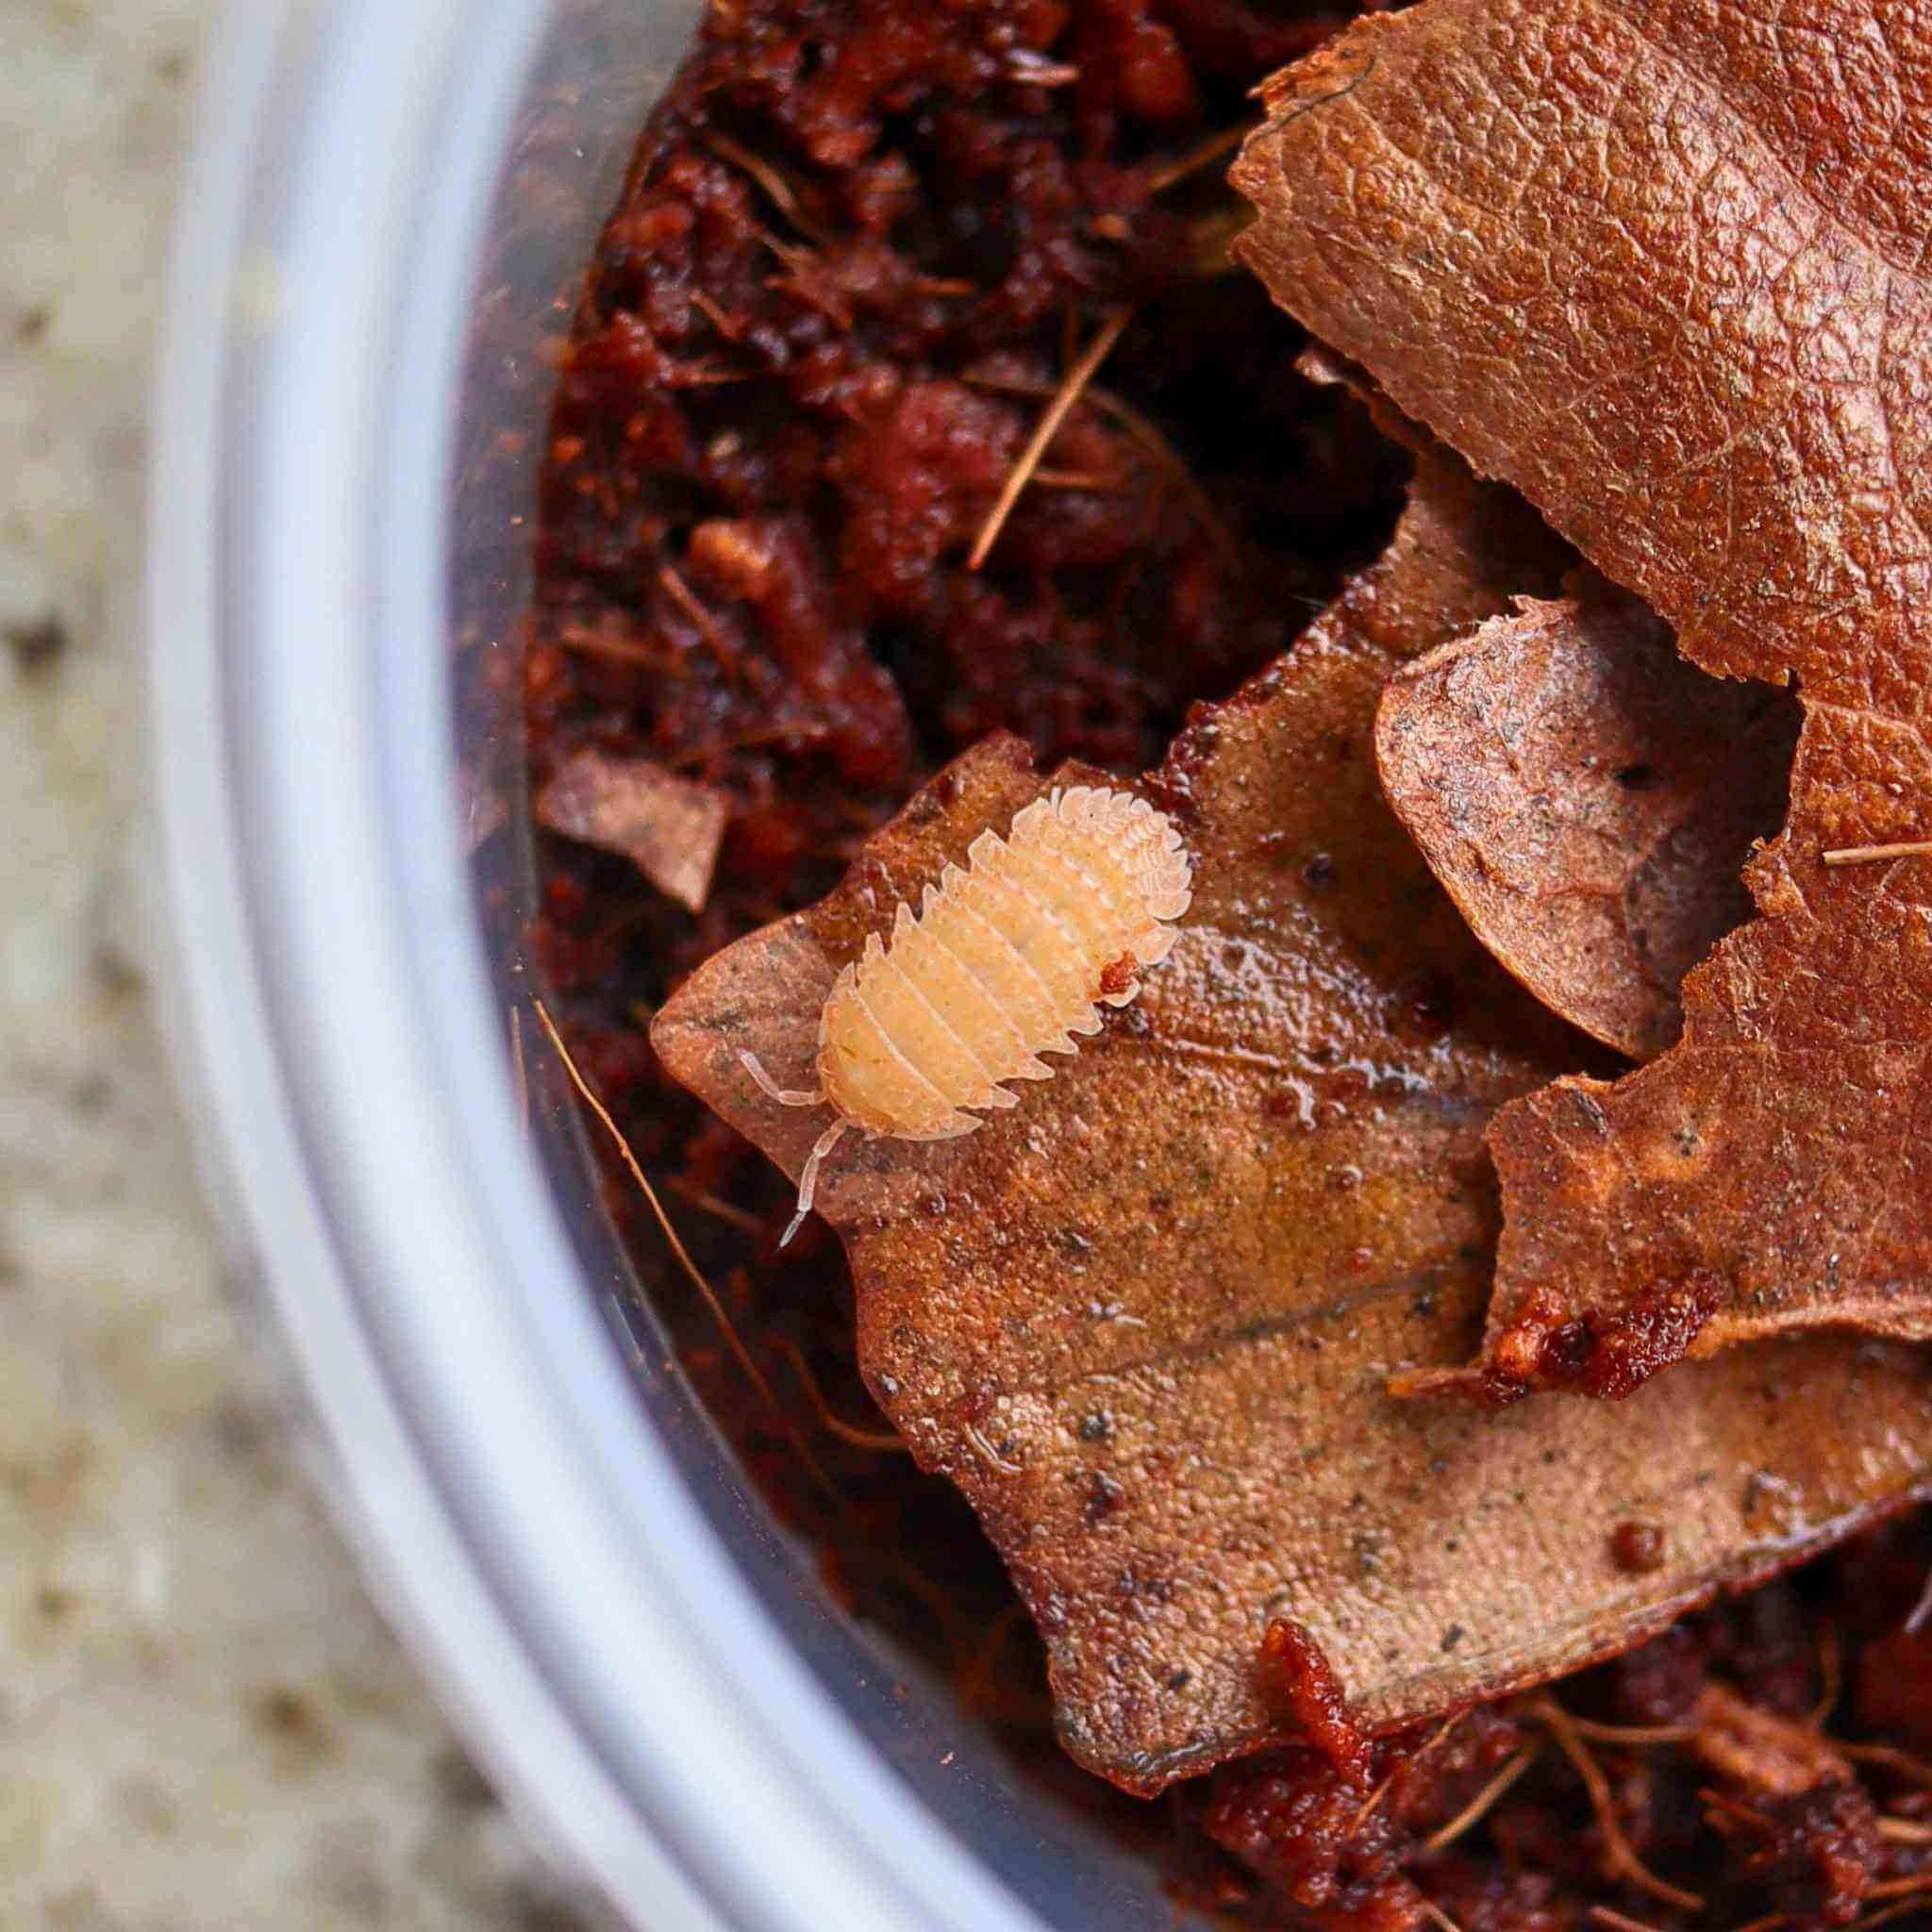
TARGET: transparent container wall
(604,62)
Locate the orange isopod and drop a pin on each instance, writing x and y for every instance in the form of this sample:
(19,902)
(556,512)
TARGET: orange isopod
(1006,960)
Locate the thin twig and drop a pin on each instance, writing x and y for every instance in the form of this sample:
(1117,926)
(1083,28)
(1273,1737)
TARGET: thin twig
(1867,855)
(1484,1802)
(1619,1921)
(1906,1831)
(1438,1917)
(754,1375)
(1622,1854)
(1198,156)
(1048,426)
(881,1441)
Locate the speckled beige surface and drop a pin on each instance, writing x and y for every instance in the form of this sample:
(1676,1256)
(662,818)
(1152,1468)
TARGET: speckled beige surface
(202,1725)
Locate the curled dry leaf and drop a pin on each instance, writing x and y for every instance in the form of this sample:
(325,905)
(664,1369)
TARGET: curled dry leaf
(1589,800)
(1665,269)
(669,827)
(1144,1319)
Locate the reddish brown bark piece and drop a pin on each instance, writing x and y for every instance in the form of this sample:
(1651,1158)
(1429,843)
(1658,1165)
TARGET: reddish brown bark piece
(1144,1320)
(1589,800)
(1297,1672)
(1664,268)
(669,827)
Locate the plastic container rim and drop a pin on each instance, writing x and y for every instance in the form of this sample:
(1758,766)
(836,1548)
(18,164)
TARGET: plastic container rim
(331,1014)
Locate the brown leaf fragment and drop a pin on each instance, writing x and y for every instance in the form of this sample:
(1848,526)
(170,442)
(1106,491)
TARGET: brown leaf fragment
(1588,799)
(669,827)
(1663,267)
(1759,1749)
(1175,1275)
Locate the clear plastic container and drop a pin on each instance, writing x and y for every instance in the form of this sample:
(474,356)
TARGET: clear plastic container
(387,199)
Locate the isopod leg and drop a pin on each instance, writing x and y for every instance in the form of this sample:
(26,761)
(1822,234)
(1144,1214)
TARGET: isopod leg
(785,1096)
(809,1180)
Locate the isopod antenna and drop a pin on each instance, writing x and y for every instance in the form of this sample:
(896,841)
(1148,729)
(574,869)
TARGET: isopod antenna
(798,1096)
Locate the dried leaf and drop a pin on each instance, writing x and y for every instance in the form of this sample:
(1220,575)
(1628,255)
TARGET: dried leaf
(1662,267)
(1589,800)
(1144,1319)
(669,827)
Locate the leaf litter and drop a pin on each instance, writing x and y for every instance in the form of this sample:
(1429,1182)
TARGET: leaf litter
(1589,800)
(1145,1320)
(1663,270)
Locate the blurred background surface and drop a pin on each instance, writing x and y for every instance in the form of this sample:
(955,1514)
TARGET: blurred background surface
(203,1724)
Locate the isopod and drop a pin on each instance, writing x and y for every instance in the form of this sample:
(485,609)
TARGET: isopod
(1009,957)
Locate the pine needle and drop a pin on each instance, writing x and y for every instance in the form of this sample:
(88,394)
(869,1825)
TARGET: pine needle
(1873,1919)
(1190,160)
(1048,427)
(1722,1812)
(752,1374)
(778,191)
(1483,1803)
(1916,1886)
(1619,1921)
(1091,481)
(1636,1735)
(718,1208)
(1438,1917)
(1906,1831)
(1921,1610)
(716,316)
(1381,1790)
(1891,1756)
(1622,1854)
(1868,855)
(687,601)
(592,643)
(1831,1671)
(882,1441)
(1143,430)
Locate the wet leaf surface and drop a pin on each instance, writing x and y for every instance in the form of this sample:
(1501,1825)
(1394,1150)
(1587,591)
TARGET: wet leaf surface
(1663,267)
(1145,1320)
(1589,800)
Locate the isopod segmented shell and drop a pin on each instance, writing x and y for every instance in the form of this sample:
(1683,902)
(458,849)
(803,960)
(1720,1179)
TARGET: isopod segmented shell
(1008,957)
